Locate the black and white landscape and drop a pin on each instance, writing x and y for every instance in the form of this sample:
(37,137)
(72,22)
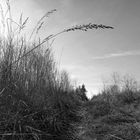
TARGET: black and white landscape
(69,70)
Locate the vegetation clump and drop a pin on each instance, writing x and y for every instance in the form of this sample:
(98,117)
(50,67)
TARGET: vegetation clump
(114,113)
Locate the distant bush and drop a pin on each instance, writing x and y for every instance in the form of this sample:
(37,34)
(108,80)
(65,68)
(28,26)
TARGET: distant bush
(81,92)
(114,113)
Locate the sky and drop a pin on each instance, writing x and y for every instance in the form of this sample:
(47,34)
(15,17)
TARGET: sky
(91,56)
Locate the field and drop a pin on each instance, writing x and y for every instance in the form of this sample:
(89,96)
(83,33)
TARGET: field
(39,102)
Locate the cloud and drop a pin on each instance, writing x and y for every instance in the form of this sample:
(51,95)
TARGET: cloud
(115,55)
(66,3)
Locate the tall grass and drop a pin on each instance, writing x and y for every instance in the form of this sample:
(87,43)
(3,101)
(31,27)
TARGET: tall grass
(33,103)
(37,101)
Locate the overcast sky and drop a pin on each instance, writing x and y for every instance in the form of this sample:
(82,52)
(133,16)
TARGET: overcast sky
(90,56)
